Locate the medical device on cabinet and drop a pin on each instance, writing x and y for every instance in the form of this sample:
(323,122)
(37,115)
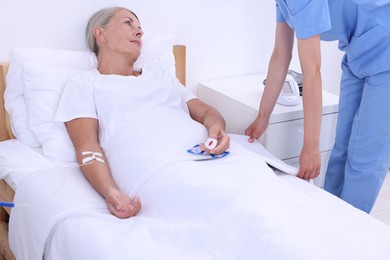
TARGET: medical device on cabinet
(290,94)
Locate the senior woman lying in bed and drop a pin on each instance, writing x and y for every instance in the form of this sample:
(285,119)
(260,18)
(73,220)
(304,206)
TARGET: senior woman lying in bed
(150,115)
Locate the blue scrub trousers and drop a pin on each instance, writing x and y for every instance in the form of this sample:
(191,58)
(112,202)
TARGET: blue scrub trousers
(360,158)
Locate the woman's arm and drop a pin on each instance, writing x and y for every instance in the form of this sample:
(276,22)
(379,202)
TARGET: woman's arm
(277,71)
(213,121)
(309,51)
(84,135)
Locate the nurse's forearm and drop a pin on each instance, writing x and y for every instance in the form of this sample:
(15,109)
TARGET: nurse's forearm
(312,107)
(309,51)
(277,69)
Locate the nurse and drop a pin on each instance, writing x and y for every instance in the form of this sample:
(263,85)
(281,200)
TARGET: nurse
(361,154)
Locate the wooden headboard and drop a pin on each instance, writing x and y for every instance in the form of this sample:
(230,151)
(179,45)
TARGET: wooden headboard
(5,129)
(180,61)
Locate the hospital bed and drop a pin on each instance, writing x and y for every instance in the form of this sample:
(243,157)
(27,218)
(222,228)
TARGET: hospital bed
(356,234)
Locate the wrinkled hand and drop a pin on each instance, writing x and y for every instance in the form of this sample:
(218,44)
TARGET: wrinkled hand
(256,129)
(121,205)
(309,163)
(223,140)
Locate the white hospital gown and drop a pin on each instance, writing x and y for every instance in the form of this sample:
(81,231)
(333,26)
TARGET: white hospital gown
(143,121)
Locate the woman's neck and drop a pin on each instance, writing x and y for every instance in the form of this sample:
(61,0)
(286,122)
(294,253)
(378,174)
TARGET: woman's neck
(116,64)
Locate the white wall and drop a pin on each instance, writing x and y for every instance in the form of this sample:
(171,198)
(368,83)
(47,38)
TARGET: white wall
(224,38)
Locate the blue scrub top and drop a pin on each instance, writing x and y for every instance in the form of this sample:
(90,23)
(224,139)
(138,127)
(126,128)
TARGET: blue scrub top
(362,28)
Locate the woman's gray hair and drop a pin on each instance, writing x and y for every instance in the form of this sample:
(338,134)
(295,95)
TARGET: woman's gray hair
(101,18)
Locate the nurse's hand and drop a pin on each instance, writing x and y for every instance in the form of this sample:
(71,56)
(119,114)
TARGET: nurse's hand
(121,205)
(309,163)
(256,129)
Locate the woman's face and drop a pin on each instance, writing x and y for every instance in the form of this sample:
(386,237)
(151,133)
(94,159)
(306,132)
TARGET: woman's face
(123,34)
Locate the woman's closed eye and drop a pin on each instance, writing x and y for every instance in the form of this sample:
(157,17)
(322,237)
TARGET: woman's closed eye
(131,23)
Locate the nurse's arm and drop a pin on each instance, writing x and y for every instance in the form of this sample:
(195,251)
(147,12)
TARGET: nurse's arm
(309,52)
(85,137)
(277,70)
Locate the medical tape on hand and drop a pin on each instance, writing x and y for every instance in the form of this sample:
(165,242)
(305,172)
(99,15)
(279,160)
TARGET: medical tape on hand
(92,156)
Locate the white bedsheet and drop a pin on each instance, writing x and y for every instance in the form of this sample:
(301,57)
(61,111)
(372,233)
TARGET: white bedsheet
(231,208)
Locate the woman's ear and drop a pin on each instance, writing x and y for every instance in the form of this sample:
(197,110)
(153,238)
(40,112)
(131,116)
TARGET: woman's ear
(99,34)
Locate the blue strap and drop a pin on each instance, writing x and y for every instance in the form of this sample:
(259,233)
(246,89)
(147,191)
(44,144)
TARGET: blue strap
(198,151)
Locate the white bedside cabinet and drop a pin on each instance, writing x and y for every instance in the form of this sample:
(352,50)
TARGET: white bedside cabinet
(238,101)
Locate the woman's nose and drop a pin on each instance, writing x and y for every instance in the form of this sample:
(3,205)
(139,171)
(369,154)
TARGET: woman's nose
(139,33)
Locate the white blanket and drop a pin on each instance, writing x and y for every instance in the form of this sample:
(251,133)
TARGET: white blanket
(229,208)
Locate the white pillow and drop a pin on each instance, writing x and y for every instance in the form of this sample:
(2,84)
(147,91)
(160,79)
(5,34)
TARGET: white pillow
(17,160)
(43,88)
(14,93)
(37,95)
(157,54)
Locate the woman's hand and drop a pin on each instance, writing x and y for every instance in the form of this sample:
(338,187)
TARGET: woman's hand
(213,121)
(223,141)
(121,205)
(256,129)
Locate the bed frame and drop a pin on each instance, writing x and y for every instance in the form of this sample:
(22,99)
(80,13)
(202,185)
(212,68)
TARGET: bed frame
(6,192)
